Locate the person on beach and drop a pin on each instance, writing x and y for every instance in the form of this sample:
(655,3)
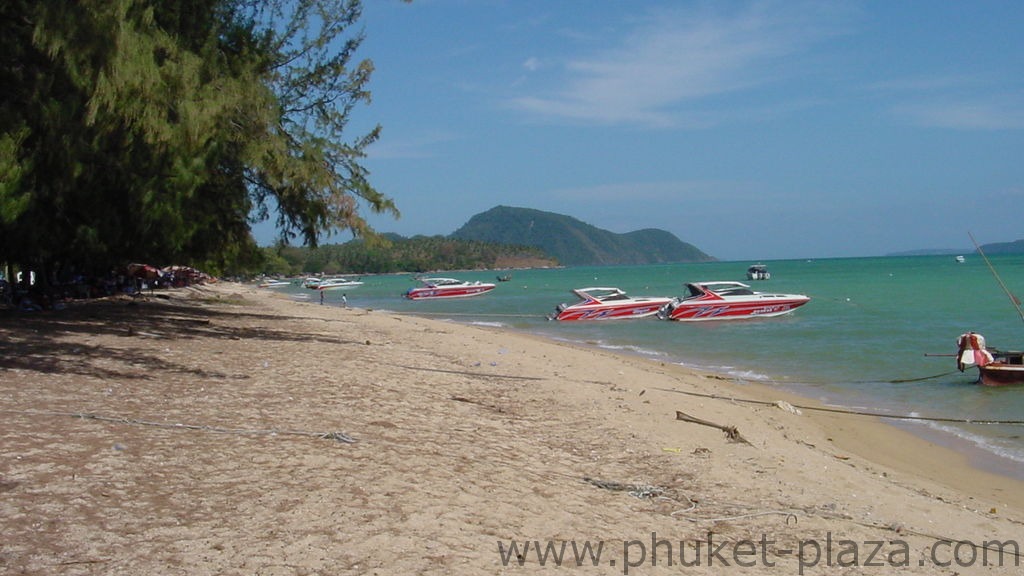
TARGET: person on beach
(344,301)
(321,297)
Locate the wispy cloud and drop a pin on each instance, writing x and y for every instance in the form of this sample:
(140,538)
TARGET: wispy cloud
(982,112)
(674,59)
(962,102)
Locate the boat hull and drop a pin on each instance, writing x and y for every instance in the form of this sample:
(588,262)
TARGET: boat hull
(1001,374)
(611,312)
(718,310)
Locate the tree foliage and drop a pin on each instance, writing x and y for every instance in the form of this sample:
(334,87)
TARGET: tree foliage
(152,129)
(397,254)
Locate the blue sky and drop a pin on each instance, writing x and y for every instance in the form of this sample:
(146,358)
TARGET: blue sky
(753,130)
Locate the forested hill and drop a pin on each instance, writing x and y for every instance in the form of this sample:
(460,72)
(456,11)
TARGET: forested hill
(576,243)
(1015,247)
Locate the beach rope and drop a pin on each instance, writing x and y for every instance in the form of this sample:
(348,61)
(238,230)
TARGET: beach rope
(338,436)
(471,314)
(847,411)
(916,379)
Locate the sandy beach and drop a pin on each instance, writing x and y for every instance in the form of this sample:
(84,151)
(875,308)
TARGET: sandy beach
(228,430)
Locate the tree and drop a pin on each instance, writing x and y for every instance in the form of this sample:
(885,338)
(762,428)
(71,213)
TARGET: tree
(151,130)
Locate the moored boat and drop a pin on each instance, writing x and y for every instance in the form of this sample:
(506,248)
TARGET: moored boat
(758,272)
(275,284)
(605,303)
(726,300)
(995,367)
(335,284)
(432,288)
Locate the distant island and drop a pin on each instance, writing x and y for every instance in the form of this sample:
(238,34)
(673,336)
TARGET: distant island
(501,238)
(1015,247)
(574,242)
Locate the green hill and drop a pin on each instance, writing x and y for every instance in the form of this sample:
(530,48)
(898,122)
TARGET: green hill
(576,243)
(1015,247)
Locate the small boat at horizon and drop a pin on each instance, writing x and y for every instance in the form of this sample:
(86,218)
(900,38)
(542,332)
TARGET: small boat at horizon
(606,303)
(758,272)
(727,300)
(275,284)
(432,288)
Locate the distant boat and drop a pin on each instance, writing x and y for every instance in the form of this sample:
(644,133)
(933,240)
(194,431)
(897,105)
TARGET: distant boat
(336,284)
(314,283)
(960,259)
(758,272)
(447,288)
(275,284)
(505,278)
(728,301)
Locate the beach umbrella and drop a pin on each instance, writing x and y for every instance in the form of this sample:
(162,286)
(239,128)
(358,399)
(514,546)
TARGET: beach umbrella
(144,271)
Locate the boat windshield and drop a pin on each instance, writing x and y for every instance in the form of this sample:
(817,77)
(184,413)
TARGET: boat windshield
(692,291)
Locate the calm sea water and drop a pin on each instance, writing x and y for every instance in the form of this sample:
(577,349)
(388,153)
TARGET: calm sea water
(862,342)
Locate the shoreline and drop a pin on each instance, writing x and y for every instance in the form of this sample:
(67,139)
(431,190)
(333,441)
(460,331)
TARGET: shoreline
(978,458)
(226,430)
(890,443)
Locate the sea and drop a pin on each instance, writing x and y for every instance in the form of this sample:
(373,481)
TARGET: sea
(879,334)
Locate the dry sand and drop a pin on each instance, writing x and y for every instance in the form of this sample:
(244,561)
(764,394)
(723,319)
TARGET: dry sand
(225,430)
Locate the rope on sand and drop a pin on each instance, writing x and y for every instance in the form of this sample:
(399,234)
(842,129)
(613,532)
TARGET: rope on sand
(472,314)
(339,436)
(850,412)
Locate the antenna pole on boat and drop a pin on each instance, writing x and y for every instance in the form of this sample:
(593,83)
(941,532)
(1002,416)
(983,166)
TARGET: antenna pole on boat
(1013,299)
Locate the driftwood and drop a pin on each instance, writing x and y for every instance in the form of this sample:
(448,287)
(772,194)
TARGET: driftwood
(731,432)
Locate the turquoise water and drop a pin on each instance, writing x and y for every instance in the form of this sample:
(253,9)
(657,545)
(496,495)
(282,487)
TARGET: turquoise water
(870,324)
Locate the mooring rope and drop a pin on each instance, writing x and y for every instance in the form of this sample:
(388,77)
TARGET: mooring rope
(847,411)
(473,314)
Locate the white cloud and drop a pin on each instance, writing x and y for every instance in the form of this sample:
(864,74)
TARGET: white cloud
(995,112)
(675,58)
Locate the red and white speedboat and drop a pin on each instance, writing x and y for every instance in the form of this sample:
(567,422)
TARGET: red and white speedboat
(728,301)
(608,304)
(447,288)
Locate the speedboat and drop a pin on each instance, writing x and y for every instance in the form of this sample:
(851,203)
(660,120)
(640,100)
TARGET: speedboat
(995,367)
(728,301)
(336,284)
(608,304)
(275,284)
(447,288)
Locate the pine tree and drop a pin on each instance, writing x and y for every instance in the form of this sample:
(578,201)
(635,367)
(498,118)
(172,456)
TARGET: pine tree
(151,130)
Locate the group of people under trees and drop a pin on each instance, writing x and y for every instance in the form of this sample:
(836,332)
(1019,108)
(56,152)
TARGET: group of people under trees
(26,292)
